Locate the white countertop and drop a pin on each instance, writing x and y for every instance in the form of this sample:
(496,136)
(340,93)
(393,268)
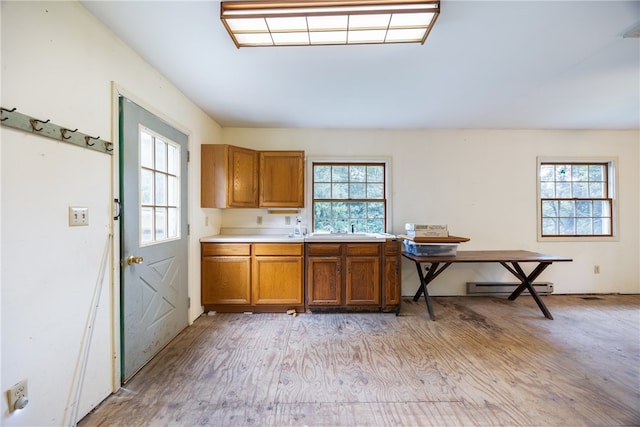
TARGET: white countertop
(251,238)
(285,238)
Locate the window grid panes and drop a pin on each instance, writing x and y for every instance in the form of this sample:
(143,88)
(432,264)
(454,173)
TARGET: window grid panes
(575,199)
(159,189)
(349,196)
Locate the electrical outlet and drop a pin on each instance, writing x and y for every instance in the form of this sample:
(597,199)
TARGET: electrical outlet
(287,220)
(78,216)
(18,396)
(596,269)
(259,220)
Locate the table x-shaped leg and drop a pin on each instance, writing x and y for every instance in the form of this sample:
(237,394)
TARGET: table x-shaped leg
(526,282)
(432,272)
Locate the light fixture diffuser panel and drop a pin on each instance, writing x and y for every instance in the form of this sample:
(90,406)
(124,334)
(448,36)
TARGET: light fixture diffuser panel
(328,37)
(247,24)
(331,22)
(399,20)
(259,39)
(366,36)
(317,22)
(405,35)
(290,39)
(287,24)
(357,22)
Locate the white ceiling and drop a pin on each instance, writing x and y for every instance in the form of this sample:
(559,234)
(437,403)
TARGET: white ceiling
(486,64)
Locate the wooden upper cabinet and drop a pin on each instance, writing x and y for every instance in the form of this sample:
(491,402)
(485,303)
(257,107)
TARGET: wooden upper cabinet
(229,177)
(282,179)
(235,177)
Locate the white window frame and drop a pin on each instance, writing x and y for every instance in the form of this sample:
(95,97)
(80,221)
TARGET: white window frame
(308,214)
(179,208)
(613,194)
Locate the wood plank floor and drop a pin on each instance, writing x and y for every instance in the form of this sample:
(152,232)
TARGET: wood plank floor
(485,361)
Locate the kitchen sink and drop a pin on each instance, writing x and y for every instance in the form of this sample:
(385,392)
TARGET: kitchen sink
(343,237)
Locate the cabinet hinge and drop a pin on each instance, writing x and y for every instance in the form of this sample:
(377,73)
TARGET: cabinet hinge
(188,156)
(188,302)
(188,229)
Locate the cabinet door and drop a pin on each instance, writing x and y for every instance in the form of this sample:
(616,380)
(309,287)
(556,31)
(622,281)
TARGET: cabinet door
(392,275)
(242,178)
(282,179)
(324,281)
(226,280)
(363,281)
(392,278)
(277,280)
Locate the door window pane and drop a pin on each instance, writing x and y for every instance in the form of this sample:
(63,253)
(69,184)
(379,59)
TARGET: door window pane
(146,225)
(172,223)
(161,155)
(173,191)
(161,189)
(146,150)
(172,158)
(146,187)
(161,224)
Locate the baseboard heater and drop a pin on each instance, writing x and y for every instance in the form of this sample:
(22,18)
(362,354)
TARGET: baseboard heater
(498,288)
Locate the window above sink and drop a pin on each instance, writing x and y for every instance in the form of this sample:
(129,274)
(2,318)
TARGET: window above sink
(348,196)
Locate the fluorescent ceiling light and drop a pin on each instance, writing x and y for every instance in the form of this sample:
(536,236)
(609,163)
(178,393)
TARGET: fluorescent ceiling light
(329,22)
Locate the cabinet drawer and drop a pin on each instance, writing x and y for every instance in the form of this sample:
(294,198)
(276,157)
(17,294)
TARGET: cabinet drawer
(276,249)
(323,249)
(215,249)
(392,247)
(363,249)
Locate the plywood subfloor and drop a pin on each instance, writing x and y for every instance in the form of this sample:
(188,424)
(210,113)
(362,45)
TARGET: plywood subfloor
(484,361)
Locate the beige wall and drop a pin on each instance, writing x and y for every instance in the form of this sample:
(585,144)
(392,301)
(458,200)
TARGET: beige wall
(59,63)
(482,183)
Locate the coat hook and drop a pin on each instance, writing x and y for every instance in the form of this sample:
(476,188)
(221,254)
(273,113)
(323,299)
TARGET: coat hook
(34,122)
(88,138)
(8,111)
(108,146)
(63,132)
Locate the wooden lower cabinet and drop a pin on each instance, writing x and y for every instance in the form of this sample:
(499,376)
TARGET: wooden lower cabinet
(272,277)
(347,276)
(262,277)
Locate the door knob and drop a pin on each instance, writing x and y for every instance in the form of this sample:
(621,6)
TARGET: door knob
(134,260)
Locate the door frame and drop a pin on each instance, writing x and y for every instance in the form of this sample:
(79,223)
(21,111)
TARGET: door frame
(118,90)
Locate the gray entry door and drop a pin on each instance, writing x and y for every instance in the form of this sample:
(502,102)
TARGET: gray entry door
(153,227)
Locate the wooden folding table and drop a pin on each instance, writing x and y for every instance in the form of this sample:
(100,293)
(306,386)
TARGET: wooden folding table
(510,260)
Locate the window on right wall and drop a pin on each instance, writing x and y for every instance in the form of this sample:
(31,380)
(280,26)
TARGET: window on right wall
(576,198)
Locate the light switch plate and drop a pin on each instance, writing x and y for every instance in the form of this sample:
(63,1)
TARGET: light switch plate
(78,216)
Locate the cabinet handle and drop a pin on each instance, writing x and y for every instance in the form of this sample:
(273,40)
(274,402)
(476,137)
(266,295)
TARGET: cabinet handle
(338,268)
